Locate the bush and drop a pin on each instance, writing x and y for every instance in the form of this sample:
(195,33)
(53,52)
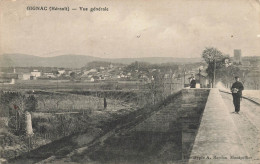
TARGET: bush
(31,103)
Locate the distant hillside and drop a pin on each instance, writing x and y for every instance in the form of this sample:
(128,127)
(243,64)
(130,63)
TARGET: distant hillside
(156,60)
(77,61)
(70,61)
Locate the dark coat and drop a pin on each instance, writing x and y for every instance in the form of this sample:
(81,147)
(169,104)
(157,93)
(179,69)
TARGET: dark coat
(193,83)
(238,85)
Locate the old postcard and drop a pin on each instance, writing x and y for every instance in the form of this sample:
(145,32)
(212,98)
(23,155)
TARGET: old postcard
(129,82)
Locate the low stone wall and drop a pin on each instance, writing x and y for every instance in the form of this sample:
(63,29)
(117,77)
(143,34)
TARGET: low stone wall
(181,116)
(188,106)
(217,139)
(164,135)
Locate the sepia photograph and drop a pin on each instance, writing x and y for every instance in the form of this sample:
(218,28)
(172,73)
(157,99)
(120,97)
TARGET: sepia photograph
(129,81)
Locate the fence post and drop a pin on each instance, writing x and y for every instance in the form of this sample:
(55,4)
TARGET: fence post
(105,103)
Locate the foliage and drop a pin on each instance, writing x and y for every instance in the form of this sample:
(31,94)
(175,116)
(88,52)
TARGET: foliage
(19,102)
(31,103)
(59,125)
(7,97)
(227,74)
(147,67)
(8,139)
(51,102)
(73,75)
(247,77)
(140,66)
(98,64)
(213,56)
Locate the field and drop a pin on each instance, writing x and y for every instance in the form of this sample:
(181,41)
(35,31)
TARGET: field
(72,85)
(58,115)
(63,108)
(65,102)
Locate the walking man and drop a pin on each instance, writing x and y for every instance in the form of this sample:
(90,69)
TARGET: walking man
(236,90)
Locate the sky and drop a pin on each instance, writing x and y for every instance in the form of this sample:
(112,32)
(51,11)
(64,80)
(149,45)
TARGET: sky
(130,28)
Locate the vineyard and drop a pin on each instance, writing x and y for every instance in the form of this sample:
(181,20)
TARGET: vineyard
(54,116)
(49,102)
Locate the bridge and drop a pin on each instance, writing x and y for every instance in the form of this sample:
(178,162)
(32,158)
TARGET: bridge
(190,126)
(226,137)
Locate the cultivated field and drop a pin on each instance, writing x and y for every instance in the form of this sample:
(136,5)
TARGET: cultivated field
(57,115)
(73,85)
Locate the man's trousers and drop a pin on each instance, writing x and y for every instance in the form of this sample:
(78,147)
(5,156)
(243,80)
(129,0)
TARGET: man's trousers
(236,101)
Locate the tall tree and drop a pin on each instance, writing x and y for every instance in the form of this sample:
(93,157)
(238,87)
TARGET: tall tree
(215,60)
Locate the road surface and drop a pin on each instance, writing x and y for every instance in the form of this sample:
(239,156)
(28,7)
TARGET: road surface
(247,124)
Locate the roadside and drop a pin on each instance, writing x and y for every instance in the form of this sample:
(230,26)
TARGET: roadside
(247,124)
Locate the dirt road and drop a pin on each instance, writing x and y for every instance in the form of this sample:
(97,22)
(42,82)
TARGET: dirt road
(247,124)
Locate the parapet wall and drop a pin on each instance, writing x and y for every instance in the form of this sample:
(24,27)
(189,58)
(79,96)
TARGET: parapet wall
(217,138)
(188,106)
(181,116)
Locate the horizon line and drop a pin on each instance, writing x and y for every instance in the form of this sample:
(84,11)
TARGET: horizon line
(99,57)
(117,57)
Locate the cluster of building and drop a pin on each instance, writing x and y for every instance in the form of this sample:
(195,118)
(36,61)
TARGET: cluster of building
(114,72)
(95,74)
(37,74)
(110,73)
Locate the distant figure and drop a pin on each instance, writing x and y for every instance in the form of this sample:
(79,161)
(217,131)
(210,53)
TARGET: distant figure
(105,103)
(193,82)
(236,90)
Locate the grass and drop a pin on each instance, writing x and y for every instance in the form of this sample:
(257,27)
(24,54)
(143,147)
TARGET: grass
(70,85)
(54,102)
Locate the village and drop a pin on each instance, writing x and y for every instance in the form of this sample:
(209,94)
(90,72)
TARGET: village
(139,73)
(98,72)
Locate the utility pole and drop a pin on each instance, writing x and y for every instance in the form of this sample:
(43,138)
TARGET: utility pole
(214,73)
(199,77)
(184,77)
(199,74)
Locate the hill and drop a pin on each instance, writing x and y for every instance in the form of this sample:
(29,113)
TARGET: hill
(21,60)
(77,61)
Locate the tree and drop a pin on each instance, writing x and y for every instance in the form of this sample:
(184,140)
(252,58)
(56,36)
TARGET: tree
(156,87)
(42,100)
(215,60)
(17,104)
(58,99)
(31,103)
(255,82)
(227,74)
(73,75)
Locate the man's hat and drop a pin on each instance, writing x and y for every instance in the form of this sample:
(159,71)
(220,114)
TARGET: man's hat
(236,77)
